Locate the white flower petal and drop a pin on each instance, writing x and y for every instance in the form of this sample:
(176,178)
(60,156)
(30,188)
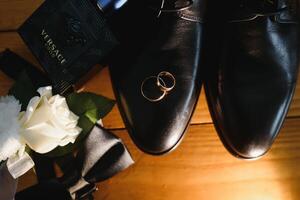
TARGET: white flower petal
(41,143)
(9,127)
(48,122)
(62,116)
(58,101)
(11,104)
(45,91)
(43,130)
(67,141)
(41,114)
(74,131)
(32,105)
(73,117)
(9,147)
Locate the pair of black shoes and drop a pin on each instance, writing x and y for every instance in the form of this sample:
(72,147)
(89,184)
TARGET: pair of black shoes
(245,52)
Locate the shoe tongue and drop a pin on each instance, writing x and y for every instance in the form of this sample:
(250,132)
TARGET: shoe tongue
(168,4)
(191,10)
(177,3)
(260,5)
(291,14)
(197,12)
(247,9)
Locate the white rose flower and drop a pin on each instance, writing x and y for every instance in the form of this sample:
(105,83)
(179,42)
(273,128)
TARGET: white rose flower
(48,122)
(10,140)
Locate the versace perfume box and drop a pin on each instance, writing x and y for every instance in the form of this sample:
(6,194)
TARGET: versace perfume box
(68,38)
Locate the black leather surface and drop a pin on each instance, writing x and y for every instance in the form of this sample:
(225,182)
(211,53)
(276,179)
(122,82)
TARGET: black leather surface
(165,43)
(251,78)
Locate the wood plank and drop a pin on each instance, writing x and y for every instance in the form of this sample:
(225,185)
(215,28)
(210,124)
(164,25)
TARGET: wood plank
(200,168)
(295,106)
(14,12)
(14,42)
(100,83)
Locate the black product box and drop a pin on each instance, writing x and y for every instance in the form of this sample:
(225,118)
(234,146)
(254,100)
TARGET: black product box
(68,37)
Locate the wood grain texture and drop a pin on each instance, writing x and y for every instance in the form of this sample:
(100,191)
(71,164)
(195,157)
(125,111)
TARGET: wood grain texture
(14,12)
(99,82)
(202,169)
(295,106)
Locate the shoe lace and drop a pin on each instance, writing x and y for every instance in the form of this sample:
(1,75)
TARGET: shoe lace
(252,9)
(171,6)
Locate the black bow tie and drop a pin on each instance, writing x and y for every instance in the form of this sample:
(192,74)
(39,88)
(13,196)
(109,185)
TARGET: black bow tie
(103,156)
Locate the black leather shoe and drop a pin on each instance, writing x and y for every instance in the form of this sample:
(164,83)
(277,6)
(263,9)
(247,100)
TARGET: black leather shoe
(156,74)
(250,82)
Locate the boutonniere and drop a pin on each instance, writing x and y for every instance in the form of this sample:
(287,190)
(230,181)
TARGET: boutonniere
(45,123)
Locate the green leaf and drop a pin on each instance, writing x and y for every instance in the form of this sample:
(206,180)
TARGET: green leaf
(28,150)
(23,90)
(86,126)
(91,105)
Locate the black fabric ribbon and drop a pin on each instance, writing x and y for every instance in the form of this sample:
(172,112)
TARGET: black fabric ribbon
(8,184)
(102,156)
(13,65)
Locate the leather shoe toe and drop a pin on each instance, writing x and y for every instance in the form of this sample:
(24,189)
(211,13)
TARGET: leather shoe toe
(251,81)
(174,46)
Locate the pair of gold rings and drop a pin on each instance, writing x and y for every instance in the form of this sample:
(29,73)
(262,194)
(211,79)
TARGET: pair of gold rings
(155,88)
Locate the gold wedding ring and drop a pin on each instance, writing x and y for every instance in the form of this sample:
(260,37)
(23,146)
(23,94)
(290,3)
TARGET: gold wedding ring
(147,96)
(166,81)
(161,85)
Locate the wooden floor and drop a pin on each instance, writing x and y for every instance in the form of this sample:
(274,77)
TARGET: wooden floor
(200,168)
